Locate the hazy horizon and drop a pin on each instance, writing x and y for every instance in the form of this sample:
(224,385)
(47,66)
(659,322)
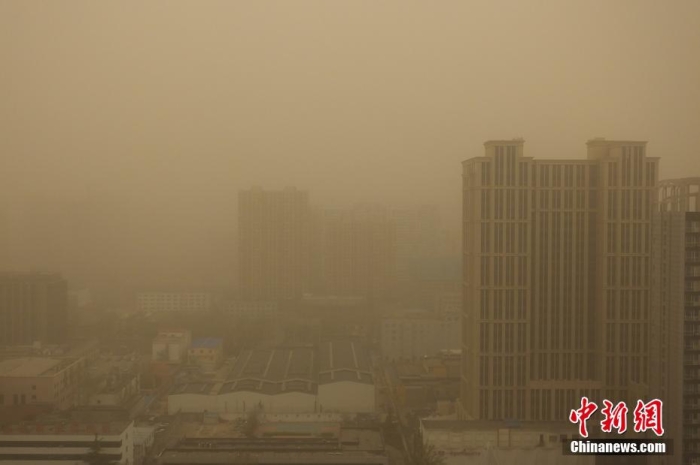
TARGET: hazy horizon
(171,108)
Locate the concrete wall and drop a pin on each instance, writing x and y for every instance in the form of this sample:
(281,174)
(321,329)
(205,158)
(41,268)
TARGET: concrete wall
(346,397)
(58,389)
(241,402)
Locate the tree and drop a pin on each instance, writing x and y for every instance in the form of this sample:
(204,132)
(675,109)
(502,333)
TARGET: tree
(426,454)
(94,457)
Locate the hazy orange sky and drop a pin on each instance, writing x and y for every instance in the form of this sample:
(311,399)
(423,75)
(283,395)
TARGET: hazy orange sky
(355,100)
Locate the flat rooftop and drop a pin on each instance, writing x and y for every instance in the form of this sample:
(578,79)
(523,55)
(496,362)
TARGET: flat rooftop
(29,367)
(554,427)
(54,424)
(314,443)
(207,343)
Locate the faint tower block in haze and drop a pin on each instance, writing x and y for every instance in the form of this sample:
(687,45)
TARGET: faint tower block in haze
(273,243)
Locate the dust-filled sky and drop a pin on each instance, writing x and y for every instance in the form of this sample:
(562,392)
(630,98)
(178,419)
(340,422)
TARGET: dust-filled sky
(163,110)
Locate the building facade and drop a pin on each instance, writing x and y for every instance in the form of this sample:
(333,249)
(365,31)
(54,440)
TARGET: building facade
(174,301)
(416,334)
(676,317)
(556,279)
(33,307)
(273,244)
(171,346)
(55,382)
(60,442)
(332,377)
(207,353)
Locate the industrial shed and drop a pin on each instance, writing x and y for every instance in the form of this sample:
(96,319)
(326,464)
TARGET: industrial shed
(333,377)
(345,380)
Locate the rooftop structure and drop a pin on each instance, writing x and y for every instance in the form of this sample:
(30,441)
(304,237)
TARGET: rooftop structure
(303,379)
(33,366)
(39,380)
(342,361)
(65,439)
(207,343)
(299,442)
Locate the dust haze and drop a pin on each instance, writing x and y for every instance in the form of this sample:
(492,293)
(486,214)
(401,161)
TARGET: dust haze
(128,128)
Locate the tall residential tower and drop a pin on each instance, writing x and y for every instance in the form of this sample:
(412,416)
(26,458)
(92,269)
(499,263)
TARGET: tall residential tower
(676,317)
(33,308)
(273,244)
(556,279)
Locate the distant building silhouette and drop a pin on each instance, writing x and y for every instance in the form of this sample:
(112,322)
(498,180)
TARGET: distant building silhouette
(273,244)
(556,279)
(33,308)
(357,253)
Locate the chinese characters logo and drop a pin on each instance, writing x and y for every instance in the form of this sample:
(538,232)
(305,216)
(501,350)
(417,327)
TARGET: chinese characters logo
(647,416)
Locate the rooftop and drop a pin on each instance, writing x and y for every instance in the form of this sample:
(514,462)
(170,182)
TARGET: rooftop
(86,421)
(489,425)
(273,370)
(26,367)
(207,343)
(291,369)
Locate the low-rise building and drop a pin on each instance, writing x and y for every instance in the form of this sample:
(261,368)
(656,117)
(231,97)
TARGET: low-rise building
(61,440)
(463,442)
(251,309)
(171,346)
(207,353)
(144,437)
(429,384)
(41,380)
(155,302)
(330,377)
(281,443)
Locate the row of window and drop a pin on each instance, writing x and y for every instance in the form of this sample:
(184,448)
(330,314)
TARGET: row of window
(544,404)
(502,371)
(508,304)
(502,337)
(549,175)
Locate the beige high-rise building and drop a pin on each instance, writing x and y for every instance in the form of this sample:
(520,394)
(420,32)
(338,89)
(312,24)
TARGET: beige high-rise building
(556,279)
(273,244)
(676,317)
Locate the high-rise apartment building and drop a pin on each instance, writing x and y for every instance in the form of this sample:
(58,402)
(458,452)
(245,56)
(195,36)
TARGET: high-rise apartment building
(556,279)
(676,317)
(273,243)
(357,248)
(418,236)
(33,308)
